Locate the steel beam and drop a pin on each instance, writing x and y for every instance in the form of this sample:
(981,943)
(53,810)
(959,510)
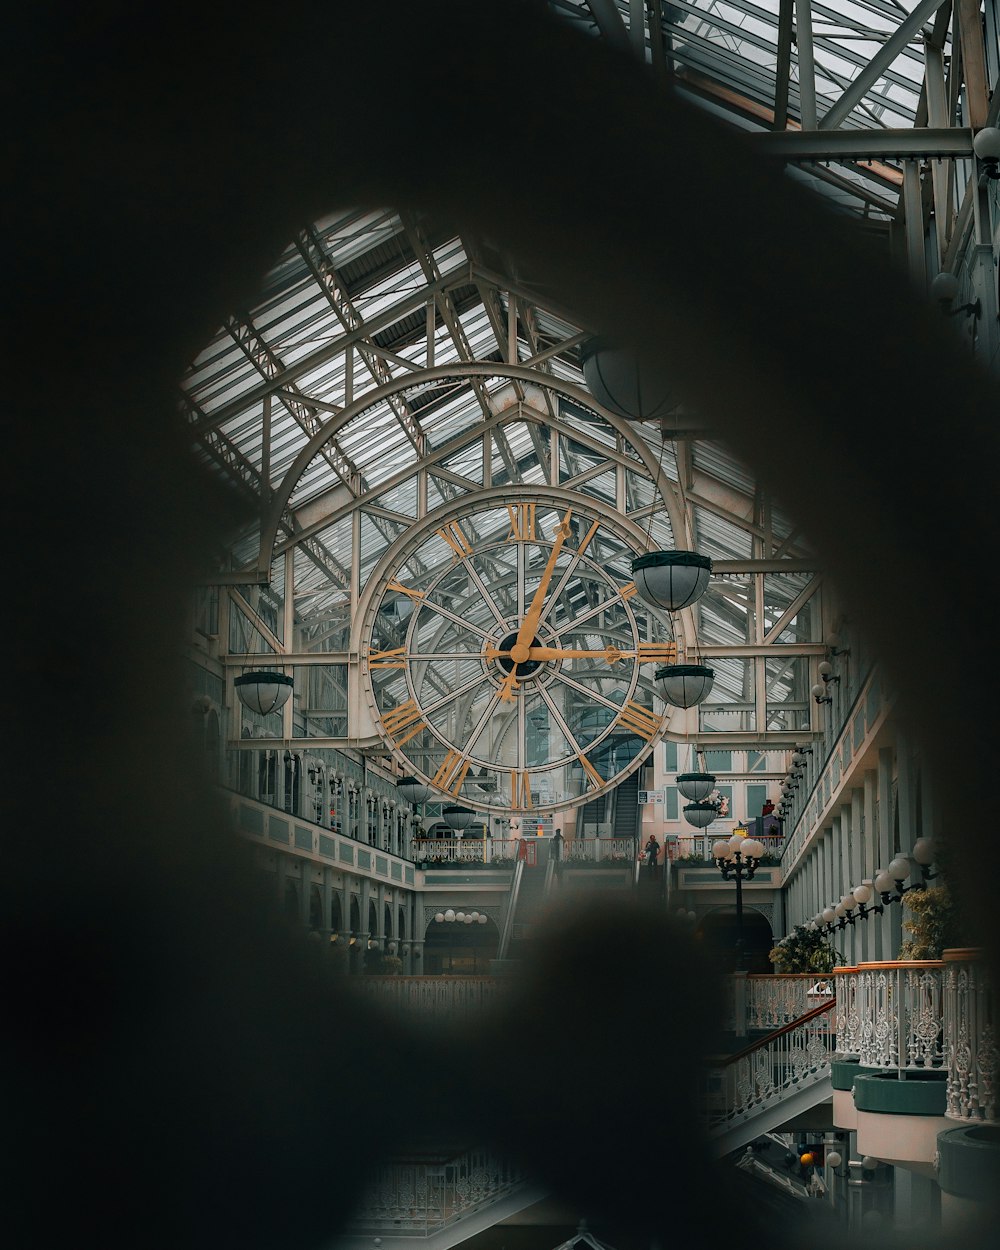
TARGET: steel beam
(863,145)
(881,61)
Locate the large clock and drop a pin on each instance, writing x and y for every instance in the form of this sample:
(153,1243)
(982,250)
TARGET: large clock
(508,660)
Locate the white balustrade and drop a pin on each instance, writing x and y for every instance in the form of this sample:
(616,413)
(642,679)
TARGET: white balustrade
(794,1057)
(421,1196)
(899,1014)
(970,1038)
(439,999)
(848,1020)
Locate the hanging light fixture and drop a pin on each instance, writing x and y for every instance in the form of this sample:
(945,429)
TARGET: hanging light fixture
(635,388)
(695,786)
(412,790)
(458,817)
(671,579)
(262,690)
(700,814)
(684,685)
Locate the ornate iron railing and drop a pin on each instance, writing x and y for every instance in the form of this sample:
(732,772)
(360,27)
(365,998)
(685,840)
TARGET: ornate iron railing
(421,1196)
(441,998)
(970,1037)
(793,1057)
(893,1014)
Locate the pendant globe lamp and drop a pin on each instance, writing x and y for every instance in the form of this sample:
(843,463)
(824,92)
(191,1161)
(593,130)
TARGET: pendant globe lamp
(460,818)
(263,690)
(700,815)
(671,579)
(636,388)
(695,786)
(412,790)
(684,685)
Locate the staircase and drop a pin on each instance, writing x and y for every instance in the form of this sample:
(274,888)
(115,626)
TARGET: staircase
(769,1082)
(536,881)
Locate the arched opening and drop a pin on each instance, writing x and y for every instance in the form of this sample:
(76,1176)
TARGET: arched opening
(355,932)
(315,909)
(213,745)
(291,900)
(720,933)
(456,948)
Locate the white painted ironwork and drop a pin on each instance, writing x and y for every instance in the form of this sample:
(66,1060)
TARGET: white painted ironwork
(848,1020)
(899,1014)
(788,1060)
(780,998)
(443,999)
(422,1196)
(973,1058)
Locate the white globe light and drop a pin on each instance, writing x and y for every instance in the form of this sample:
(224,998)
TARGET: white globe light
(460,917)
(440,917)
(899,869)
(944,287)
(986,143)
(753,848)
(884,882)
(481,919)
(834,1158)
(468,919)
(721,849)
(840,909)
(862,893)
(849,901)
(449,915)
(473,916)
(829,915)
(869,1164)
(923,851)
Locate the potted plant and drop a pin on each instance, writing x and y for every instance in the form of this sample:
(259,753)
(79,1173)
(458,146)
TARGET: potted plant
(805,950)
(934,921)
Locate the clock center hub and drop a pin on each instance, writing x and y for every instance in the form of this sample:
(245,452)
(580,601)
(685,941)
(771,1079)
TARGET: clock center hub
(518,658)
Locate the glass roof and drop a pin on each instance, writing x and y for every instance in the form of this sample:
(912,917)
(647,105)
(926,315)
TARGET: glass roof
(396,336)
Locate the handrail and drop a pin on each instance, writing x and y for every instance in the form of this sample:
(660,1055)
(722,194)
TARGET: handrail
(508,920)
(768,1038)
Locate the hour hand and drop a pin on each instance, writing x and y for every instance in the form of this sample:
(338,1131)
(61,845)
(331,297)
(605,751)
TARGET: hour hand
(508,686)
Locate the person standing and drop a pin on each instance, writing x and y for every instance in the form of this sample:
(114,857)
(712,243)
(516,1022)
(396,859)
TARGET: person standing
(652,849)
(557,844)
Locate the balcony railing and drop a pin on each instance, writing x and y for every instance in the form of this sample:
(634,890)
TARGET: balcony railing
(502,852)
(892,1014)
(925,1015)
(762,1075)
(417,1197)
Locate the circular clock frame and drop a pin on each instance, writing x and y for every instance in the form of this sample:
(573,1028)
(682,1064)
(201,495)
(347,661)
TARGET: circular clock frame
(539,732)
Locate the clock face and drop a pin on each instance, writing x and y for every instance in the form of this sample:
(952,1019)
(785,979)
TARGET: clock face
(508,660)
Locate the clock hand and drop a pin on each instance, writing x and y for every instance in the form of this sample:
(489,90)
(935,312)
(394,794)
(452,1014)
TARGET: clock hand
(508,686)
(646,655)
(519,651)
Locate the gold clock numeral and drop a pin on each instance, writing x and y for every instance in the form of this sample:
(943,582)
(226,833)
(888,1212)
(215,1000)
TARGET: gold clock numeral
(456,540)
(520,790)
(585,540)
(451,775)
(591,772)
(387,659)
(650,651)
(401,719)
(404,590)
(628,590)
(639,719)
(522,522)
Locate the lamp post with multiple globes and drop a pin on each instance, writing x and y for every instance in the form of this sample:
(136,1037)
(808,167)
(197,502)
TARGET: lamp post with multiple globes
(737,858)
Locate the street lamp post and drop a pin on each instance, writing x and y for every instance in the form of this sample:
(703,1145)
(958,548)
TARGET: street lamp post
(737,858)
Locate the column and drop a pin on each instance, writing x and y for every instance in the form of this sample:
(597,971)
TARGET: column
(305,891)
(326,904)
(859,944)
(885,948)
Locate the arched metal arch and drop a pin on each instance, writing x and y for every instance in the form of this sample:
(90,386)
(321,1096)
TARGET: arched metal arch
(668,489)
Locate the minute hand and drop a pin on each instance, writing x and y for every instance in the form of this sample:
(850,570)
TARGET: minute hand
(519,651)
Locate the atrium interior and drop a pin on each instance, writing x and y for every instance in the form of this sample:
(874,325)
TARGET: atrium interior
(547,767)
